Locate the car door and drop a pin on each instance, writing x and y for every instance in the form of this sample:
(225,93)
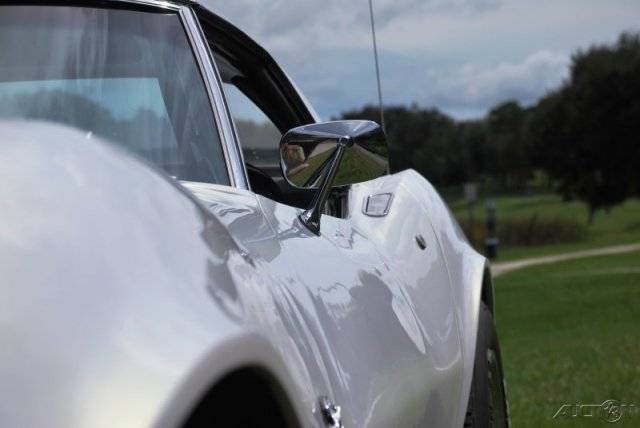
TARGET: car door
(371,344)
(381,345)
(345,298)
(353,323)
(374,353)
(343,319)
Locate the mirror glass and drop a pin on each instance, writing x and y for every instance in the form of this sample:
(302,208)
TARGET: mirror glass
(307,151)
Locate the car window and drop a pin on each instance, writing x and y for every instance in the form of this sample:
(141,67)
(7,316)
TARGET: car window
(126,76)
(259,137)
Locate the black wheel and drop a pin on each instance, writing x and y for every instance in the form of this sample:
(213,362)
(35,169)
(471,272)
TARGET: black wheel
(487,400)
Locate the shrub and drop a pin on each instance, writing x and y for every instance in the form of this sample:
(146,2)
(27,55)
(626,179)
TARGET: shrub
(541,231)
(529,231)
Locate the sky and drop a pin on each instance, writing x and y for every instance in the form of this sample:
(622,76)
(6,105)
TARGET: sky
(461,56)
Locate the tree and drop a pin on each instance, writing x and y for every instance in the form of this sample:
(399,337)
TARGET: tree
(585,135)
(507,157)
(418,138)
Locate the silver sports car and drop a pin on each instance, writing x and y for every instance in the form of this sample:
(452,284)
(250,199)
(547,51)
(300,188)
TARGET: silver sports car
(166,262)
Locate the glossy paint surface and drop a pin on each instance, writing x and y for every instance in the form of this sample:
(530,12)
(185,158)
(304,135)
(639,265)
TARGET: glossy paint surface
(372,317)
(108,272)
(154,296)
(125,296)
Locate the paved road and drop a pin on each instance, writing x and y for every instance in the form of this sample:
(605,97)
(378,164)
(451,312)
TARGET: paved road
(504,267)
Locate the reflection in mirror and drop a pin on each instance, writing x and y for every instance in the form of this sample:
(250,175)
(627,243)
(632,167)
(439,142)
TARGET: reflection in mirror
(308,151)
(304,169)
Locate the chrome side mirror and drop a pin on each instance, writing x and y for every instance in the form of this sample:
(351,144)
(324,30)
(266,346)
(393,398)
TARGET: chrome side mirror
(330,154)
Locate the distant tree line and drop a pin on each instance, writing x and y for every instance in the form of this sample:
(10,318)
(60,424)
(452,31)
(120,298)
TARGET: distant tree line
(584,136)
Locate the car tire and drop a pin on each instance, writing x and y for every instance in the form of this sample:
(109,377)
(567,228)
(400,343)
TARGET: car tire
(487,399)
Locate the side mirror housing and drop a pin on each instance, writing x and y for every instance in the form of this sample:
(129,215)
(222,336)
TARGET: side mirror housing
(330,154)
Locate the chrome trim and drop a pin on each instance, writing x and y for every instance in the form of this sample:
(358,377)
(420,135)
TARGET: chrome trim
(311,217)
(155,3)
(331,413)
(365,205)
(211,77)
(235,142)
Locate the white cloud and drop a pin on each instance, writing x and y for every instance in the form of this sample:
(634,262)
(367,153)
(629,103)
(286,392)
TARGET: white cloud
(475,85)
(283,24)
(462,56)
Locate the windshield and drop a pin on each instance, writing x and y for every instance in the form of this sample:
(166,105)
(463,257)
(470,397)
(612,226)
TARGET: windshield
(126,76)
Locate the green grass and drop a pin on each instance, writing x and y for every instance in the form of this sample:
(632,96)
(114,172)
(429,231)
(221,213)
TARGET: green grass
(621,225)
(570,333)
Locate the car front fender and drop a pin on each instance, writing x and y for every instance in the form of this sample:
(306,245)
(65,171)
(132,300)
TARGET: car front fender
(119,304)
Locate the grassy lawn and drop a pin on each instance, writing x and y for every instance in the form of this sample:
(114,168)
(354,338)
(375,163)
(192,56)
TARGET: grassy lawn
(620,226)
(570,333)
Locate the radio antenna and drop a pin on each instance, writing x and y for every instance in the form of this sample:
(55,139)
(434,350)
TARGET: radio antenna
(375,56)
